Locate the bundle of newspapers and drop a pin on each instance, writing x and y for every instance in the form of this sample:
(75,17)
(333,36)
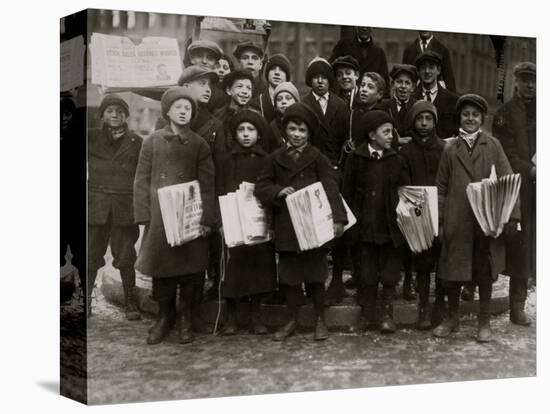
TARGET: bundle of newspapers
(492,200)
(181,210)
(417,216)
(244,220)
(311,216)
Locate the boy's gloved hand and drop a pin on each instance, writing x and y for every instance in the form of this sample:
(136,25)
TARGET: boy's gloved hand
(285,192)
(338,229)
(205,230)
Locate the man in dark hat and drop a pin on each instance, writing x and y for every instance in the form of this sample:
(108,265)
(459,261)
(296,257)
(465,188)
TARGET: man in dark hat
(362,48)
(515,125)
(346,71)
(427,41)
(428,64)
(250,56)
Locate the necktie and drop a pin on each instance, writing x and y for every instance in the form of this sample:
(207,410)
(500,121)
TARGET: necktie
(376,155)
(323,103)
(428,95)
(424,45)
(294,154)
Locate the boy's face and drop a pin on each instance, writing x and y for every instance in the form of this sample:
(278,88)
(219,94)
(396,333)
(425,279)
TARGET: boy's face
(404,87)
(471,118)
(203,57)
(249,59)
(247,134)
(347,78)
(363,32)
(382,137)
(527,86)
(222,68)
(424,35)
(297,133)
(320,84)
(180,112)
(240,91)
(200,89)
(424,124)
(368,91)
(282,101)
(428,72)
(114,116)
(275,76)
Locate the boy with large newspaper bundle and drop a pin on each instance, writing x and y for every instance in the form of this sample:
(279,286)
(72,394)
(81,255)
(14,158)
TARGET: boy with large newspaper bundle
(286,170)
(467,254)
(170,156)
(250,270)
(421,157)
(372,174)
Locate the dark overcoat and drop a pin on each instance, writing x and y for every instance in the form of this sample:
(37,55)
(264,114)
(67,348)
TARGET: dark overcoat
(514,125)
(263,104)
(422,158)
(400,117)
(111,176)
(168,159)
(281,171)
(394,175)
(456,170)
(447,118)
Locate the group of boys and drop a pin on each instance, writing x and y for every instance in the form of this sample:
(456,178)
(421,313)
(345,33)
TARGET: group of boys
(351,101)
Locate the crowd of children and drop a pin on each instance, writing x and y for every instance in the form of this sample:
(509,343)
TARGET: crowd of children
(357,134)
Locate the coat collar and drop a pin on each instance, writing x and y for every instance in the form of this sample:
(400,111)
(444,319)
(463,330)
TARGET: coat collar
(256,149)
(169,134)
(309,155)
(126,140)
(465,158)
(432,141)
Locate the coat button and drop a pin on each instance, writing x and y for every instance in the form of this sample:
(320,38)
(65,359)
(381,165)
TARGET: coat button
(373,193)
(252,155)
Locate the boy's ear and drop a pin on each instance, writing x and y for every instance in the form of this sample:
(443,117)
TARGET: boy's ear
(371,135)
(228,90)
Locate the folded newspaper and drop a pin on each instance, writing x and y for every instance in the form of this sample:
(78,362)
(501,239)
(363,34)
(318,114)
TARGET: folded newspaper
(492,200)
(181,210)
(417,216)
(311,216)
(244,220)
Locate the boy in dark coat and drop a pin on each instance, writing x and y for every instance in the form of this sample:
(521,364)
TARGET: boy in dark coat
(421,157)
(428,64)
(277,71)
(285,171)
(113,152)
(329,108)
(467,254)
(372,175)
(250,270)
(170,156)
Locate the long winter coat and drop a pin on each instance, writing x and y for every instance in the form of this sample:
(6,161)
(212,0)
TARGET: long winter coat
(111,176)
(456,170)
(168,159)
(514,125)
(281,171)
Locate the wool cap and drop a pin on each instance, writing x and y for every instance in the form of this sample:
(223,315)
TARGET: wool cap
(113,99)
(474,99)
(247,45)
(525,68)
(173,94)
(404,68)
(231,77)
(195,72)
(304,113)
(373,119)
(280,60)
(287,87)
(206,44)
(319,65)
(428,55)
(248,115)
(419,107)
(345,61)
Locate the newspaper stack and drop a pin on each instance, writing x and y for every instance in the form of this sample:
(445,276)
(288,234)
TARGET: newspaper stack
(244,220)
(311,216)
(72,63)
(181,210)
(492,200)
(417,216)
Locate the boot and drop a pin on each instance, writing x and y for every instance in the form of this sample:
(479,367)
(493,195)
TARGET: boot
(483,328)
(517,295)
(285,331)
(468,292)
(387,325)
(423,323)
(518,315)
(321,331)
(256,325)
(439,310)
(361,325)
(185,328)
(408,291)
(164,322)
(131,308)
(452,319)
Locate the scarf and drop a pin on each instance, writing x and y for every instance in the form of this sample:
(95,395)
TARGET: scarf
(470,139)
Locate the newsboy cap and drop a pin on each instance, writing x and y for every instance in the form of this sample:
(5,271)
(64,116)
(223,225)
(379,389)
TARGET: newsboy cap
(194,72)
(172,95)
(525,68)
(113,99)
(319,66)
(247,45)
(345,61)
(303,113)
(373,119)
(235,75)
(404,68)
(280,60)
(473,99)
(206,44)
(428,55)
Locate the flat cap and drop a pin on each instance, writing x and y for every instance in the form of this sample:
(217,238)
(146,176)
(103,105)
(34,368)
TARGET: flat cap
(404,68)
(473,99)
(346,61)
(194,72)
(428,55)
(247,45)
(525,68)
(206,44)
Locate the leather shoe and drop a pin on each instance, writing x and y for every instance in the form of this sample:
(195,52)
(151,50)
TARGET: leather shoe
(285,331)
(445,328)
